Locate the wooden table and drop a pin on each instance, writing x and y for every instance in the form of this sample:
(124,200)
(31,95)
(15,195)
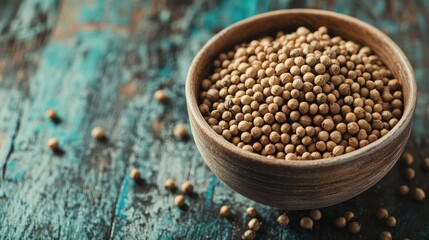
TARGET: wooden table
(98,63)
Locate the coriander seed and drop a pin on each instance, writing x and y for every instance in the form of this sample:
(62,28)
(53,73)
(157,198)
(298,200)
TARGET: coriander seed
(251,212)
(98,133)
(248,235)
(160,95)
(51,114)
(407,158)
(315,214)
(349,215)
(354,227)
(390,221)
(404,190)
(254,224)
(306,223)
(340,222)
(382,213)
(187,187)
(425,163)
(385,235)
(283,219)
(53,144)
(135,174)
(419,194)
(409,173)
(179,200)
(180,131)
(225,211)
(170,184)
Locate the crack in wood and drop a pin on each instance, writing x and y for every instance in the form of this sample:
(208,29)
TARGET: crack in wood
(12,145)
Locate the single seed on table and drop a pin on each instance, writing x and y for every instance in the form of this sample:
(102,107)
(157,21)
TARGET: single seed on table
(404,190)
(180,131)
(135,174)
(170,184)
(306,223)
(248,235)
(283,219)
(409,173)
(390,221)
(385,235)
(179,200)
(53,144)
(187,187)
(425,163)
(254,224)
(98,133)
(251,212)
(340,222)
(225,211)
(407,158)
(419,194)
(315,214)
(51,114)
(354,227)
(160,96)
(349,215)
(382,213)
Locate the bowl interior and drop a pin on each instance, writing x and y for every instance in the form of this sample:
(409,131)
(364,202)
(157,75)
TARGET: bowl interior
(287,21)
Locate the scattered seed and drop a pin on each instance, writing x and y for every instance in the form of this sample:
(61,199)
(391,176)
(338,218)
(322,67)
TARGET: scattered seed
(340,222)
(160,96)
(248,235)
(404,190)
(390,221)
(349,215)
(187,187)
(306,223)
(254,224)
(425,163)
(315,214)
(283,219)
(419,194)
(409,173)
(385,235)
(407,158)
(179,200)
(382,213)
(53,144)
(98,133)
(354,227)
(135,174)
(51,114)
(170,184)
(251,212)
(180,131)
(225,211)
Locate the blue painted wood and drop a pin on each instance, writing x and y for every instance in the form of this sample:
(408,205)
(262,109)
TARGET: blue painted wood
(98,63)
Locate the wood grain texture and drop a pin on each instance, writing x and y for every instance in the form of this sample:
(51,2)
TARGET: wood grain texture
(98,62)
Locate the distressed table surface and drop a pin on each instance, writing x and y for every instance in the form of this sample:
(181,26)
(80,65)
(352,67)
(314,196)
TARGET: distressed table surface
(98,62)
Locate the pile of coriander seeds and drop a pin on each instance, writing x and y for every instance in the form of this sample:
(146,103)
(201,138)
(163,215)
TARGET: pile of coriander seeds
(301,96)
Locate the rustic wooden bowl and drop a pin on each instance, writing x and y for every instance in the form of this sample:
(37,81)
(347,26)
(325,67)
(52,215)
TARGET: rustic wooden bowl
(300,184)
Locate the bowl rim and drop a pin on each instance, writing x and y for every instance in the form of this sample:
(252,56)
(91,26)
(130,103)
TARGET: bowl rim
(404,121)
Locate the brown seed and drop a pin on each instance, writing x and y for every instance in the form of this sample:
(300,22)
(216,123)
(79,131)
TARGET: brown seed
(409,173)
(187,187)
(248,235)
(160,96)
(425,163)
(340,222)
(354,227)
(407,158)
(53,144)
(170,184)
(180,131)
(251,212)
(179,200)
(135,174)
(98,133)
(254,224)
(306,223)
(283,219)
(385,235)
(382,213)
(404,190)
(349,215)
(225,211)
(390,221)
(419,194)
(51,114)
(315,214)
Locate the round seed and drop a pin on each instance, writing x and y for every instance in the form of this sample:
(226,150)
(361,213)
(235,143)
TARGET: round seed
(340,222)
(135,174)
(225,211)
(170,184)
(160,96)
(283,219)
(354,227)
(179,200)
(53,144)
(98,133)
(187,187)
(306,223)
(316,215)
(251,212)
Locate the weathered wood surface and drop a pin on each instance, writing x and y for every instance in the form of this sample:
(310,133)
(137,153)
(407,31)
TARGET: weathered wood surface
(98,63)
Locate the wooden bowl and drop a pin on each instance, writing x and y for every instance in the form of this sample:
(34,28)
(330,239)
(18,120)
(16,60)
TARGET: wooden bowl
(300,184)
